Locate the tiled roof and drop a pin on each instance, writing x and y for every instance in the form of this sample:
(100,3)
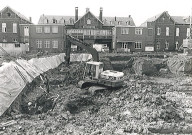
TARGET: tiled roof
(67,20)
(114,21)
(177,19)
(60,19)
(181,19)
(152,19)
(17,13)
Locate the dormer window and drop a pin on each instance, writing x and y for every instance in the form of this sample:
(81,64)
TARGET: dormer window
(54,21)
(88,21)
(128,23)
(119,23)
(71,21)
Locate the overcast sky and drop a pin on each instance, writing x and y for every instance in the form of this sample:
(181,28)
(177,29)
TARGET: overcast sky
(140,10)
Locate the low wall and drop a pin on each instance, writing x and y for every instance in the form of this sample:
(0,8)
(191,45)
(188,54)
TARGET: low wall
(15,75)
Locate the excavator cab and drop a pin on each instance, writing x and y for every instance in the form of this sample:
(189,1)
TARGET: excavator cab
(93,69)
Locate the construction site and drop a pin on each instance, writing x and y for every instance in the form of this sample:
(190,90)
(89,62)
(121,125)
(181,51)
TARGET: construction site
(96,93)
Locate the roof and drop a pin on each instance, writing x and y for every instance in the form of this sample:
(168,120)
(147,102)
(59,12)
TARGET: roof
(70,20)
(181,19)
(114,21)
(60,19)
(16,12)
(176,19)
(91,14)
(152,19)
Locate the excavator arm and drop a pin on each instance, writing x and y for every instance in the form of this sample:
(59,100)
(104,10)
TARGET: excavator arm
(86,46)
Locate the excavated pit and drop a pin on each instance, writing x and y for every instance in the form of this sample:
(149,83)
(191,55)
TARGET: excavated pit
(145,105)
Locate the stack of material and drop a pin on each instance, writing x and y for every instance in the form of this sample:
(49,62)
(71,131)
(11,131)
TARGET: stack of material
(144,66)
(180,64)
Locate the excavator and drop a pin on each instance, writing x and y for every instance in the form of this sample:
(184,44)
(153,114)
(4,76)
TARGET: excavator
(94,75)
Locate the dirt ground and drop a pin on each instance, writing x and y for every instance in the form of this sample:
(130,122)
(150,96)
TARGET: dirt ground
(156,104)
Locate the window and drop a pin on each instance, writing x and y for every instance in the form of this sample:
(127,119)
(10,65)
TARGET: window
(119,23)
(55,43)
(26,40)
(124,45)
(88,21)
(150,32)
(17,45)
(39,43)
(26,31)
(14,40)
(158,45)
(166,45)
(47,44)
(176,45)
(177,31)
(138,31)
(14,27)
(138,45)
(124,30)
(128,23)
(167,31)
(47,29)
(158,31)
(9,14)
(55,29)
(54,21)
(188,32)
(39,29)
(4,28)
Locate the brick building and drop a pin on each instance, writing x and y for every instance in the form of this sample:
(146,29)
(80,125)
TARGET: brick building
(43,37)
(88,28)
(9,25)
(169,31)
(132,39)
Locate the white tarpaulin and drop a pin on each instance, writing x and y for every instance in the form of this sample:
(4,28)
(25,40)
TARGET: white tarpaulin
(15,75)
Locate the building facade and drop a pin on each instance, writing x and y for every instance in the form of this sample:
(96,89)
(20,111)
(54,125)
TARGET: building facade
(161,32)
(10,38)
(168,31)
(9,25)
(132,39)
(89,28)
(43,37)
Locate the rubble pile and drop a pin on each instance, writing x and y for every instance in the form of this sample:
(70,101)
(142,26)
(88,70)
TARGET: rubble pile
(180,64)
(142,106)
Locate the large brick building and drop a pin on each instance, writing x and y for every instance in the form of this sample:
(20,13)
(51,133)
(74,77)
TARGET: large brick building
(169,31)
(88,28)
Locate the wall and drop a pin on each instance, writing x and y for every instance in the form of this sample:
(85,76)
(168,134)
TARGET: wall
(13,49)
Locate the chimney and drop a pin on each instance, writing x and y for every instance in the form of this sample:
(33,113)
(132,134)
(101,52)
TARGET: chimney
(87,10)
(129,16)
(115,18)
(30,19)
(76,13)
(101,14)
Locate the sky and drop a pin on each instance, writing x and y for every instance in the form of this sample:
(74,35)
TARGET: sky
(140,10)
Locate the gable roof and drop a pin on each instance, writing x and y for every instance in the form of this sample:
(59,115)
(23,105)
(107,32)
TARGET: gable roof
(154,18)
(91,14)
(16,12)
